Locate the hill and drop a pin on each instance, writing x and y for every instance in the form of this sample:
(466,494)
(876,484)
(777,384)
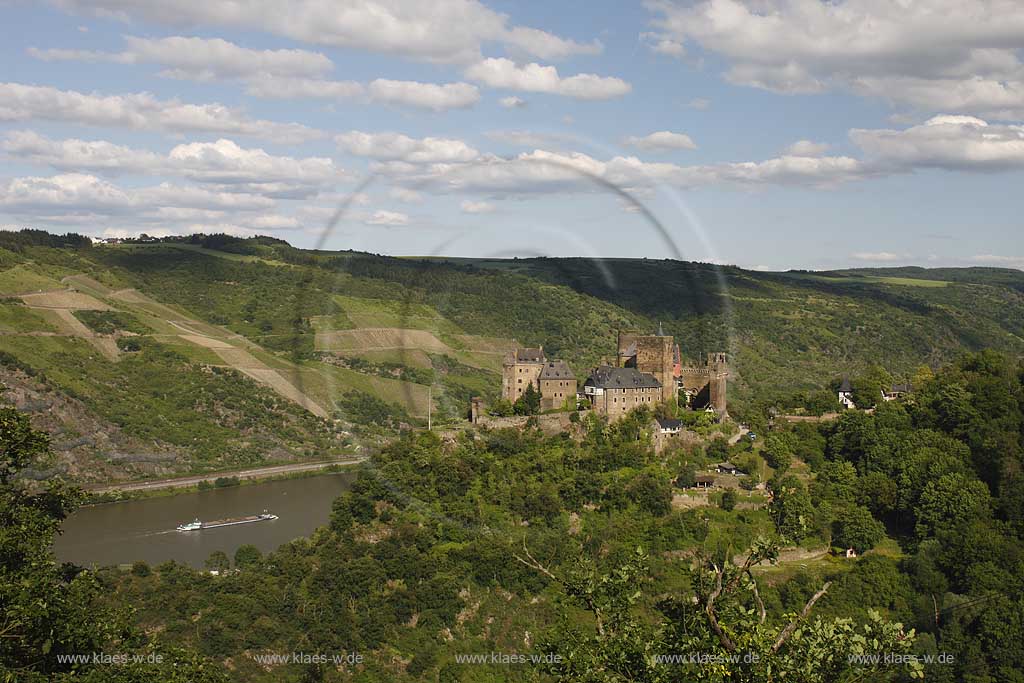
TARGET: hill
(170,349)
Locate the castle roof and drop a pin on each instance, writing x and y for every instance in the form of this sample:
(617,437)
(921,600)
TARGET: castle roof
(530,355)
(557,369)
(845,385)
(608,377)
(668,423)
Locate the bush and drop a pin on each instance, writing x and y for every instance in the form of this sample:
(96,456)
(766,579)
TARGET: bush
(728,500)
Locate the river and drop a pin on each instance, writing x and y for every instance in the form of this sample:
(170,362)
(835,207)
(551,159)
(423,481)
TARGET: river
(121,533)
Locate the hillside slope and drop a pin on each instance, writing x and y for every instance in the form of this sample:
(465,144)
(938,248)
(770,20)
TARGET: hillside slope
(184,344)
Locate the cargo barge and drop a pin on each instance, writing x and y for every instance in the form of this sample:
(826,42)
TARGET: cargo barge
(231,521)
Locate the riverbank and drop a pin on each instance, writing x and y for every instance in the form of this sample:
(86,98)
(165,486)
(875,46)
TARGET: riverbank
(168,487)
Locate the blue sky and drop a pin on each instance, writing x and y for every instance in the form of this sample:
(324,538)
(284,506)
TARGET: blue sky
(771,133)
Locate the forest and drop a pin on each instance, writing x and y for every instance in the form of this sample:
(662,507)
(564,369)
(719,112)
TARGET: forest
(569,548)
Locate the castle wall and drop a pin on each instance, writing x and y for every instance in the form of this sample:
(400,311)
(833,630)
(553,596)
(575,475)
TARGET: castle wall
(515,377)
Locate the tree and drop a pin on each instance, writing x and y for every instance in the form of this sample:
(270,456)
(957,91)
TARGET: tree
(790,508)
(218,561)
(868,386)
(953,500)
(529,402)
(725,621)
(248,556)
(778,450)
(728,500)
(857,529)
(51,610)
(501,408)
(687,477)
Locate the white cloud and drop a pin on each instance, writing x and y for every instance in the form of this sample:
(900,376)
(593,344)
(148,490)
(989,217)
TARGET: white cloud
(140,111)
(387,218)
(202,59)
(405,195)
(77,194)
(96,156)
(223,163)
(440,31)
(512,102)
(532,77)
(424,95)
(807,148)
(999,260)
(941,55)
(276,74)
(542,171)
(950,142)
(663,45)
(398,147)
(275,87)
(879,256)
(468,206)
(662,140)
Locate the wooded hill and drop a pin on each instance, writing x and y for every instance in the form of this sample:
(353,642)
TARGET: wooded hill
(161,352)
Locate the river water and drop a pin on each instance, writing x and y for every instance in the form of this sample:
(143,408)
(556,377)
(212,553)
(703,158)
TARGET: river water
(121,533)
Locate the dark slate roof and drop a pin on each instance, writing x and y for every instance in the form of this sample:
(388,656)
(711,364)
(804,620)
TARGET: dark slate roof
(845,385)
(901,388)
(607,377)
(530,355)
(726,466)
(666,423)
(557,369)
(704,479)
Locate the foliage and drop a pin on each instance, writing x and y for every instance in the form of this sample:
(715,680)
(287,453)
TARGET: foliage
(51,611)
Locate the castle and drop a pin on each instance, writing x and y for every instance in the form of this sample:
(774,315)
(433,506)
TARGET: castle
(648,370)
(554,379)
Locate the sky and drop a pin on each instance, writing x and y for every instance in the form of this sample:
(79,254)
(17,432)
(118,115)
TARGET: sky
(770,134)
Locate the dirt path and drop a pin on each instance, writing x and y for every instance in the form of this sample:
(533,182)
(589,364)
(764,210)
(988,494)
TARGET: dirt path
(62,305)
(255,473)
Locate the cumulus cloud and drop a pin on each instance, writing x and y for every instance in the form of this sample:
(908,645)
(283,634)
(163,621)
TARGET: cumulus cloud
(432,96)
(807,148)
(223,163)
(387,218)
(943,55)
(398,147)
(439,31)
(543,171)
(73,194)
(661,141)
(512,102)
(140,111)
(405,195)
(950,142)
(276,74)
(877,256)
(424,95)
(202,59)
(468,206)
(532,77)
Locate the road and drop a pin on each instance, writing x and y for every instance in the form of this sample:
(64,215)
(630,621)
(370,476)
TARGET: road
(255,473)
(735,438)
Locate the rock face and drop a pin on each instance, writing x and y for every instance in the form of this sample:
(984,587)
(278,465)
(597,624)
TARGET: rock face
(87,448)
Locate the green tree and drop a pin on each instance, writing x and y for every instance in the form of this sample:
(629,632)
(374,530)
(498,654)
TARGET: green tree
(248,556)
(218,561)
(529,402)
(725,620)
(728,500)
(49,610)
(790,508)
(952,500)
(856,528)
